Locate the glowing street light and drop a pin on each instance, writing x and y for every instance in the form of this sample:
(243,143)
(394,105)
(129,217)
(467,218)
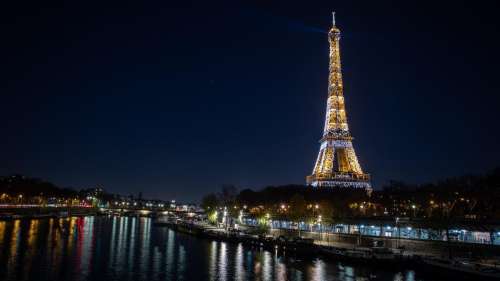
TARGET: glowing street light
(268,216)
(224,218)
(240,217)
(319,222)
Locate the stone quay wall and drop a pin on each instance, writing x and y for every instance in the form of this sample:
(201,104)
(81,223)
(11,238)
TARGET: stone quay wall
(419,247)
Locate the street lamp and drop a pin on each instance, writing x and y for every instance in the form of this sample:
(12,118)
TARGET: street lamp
(398,233)
(268,216)
(319,223)
(316,207)
(224,219)
(216,218)
(362,208)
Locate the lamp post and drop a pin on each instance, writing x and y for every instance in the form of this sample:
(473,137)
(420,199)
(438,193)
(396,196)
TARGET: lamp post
(269,221)
(316,207)
(399,232)
(224,219)
(319,223)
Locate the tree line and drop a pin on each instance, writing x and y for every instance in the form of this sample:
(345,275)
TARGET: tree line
(465,197)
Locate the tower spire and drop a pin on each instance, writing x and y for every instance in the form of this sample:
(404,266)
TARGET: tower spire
(333,18)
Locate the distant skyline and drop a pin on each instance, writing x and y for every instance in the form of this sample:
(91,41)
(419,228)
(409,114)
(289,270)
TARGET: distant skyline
(175,101)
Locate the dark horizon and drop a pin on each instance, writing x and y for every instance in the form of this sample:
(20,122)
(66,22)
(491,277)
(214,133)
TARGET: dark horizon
(175,101)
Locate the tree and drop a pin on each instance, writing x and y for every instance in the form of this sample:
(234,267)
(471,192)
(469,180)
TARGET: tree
(326,210)
(298,209)
(209,201)
(228,194)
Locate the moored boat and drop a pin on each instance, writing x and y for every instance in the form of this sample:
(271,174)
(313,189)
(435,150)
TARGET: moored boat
(462,266)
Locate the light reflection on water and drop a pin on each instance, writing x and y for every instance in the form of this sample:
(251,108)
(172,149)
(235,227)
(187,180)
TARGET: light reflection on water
(130,248)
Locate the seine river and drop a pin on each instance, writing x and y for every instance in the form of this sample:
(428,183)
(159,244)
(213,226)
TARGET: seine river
(122,248)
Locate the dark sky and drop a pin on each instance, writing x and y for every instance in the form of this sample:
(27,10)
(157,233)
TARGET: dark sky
(176,100)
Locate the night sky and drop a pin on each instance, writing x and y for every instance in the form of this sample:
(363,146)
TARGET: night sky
(175,101)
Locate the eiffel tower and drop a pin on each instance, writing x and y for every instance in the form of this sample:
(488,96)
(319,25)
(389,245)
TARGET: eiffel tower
(337,164)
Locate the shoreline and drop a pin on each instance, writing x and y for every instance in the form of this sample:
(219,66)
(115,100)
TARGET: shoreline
(374,256)
(298,245)
(9,214)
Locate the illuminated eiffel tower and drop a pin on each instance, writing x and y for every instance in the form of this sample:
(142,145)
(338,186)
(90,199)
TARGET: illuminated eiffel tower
(337,164)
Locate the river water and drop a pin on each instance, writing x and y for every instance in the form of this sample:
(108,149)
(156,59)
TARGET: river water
(129,248)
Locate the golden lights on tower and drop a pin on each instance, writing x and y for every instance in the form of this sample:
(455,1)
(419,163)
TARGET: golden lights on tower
(337,164)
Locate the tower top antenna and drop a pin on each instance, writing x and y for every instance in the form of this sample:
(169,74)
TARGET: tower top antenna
(333,18)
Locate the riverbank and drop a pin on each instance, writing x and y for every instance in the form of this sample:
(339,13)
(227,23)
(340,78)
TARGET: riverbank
(419,247)
(378,255)
(305,246)
(45,212)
